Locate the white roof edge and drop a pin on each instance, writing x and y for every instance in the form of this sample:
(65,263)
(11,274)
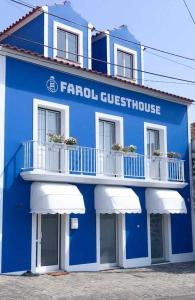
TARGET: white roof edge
(93,76)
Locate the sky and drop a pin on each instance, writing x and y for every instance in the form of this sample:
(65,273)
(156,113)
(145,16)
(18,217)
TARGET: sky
(162,24)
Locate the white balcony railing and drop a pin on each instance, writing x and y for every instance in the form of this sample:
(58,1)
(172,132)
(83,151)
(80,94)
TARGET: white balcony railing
(79,160)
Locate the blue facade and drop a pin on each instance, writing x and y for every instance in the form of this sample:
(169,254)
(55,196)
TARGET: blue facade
(86,94)
(19,111)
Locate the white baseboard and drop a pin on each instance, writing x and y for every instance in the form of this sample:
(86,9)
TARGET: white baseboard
(17,273)
(182,257)
(93,267)
(137,262)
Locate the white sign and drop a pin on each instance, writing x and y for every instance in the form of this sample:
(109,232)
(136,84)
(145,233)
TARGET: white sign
(91,94)
(74,223)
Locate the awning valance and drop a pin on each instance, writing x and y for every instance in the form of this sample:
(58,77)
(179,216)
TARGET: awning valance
(114,199)
(162,201)
(52,198)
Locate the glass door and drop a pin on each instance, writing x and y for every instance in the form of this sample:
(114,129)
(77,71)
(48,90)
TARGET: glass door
(154,162)
(108,239)
(107,163)
(49,122)
(157,238)
(48,242)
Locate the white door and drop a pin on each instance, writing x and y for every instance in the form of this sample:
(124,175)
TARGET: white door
(48,242)
(153,162)
(108,240)
(107,162)
(49,121)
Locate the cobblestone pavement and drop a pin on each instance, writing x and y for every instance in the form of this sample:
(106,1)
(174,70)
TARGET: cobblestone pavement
(172,281)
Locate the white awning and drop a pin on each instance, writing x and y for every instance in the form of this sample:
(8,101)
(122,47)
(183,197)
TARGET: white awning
(161,201)
(52,198)
(114,199)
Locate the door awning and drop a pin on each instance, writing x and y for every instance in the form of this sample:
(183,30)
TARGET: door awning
(114,199)
(162,201)
(52,198)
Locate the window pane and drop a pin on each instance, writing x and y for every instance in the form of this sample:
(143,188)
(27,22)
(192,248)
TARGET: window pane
(61,43)
(128,65)
(53,122)
(72,46)
(120,70)
(41,125)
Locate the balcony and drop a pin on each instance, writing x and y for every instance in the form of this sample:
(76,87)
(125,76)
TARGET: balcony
(59,162)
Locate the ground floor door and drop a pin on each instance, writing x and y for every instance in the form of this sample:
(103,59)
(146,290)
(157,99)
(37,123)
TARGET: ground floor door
(108,240)
(157,231)
(48,242)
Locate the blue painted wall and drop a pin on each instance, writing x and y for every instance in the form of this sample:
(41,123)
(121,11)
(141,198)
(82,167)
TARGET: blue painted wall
(66,15)
(18,128)
(99,55)
(32,31)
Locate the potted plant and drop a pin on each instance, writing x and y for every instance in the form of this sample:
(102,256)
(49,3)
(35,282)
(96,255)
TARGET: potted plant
(157,152)
(173,155)
(71,142)
(56,138)
(130,150)
(117,148)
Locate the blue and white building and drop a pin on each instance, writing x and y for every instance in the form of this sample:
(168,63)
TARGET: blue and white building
(89,206)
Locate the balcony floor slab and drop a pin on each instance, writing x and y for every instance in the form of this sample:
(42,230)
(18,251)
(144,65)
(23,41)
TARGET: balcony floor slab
(40,175)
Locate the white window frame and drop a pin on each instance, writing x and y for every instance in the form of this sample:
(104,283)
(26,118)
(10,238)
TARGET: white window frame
(117,48)
(118,133)
(79,33)
(163,145)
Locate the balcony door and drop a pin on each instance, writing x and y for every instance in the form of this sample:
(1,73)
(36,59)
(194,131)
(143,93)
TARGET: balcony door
(107,137)
(154,162)
(49,121)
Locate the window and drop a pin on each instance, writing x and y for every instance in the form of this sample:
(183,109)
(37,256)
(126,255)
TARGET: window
(49,121)
(125,64)
(67,45)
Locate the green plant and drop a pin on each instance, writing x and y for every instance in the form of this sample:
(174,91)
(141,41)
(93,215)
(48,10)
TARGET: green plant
(157,152)
(70,141)
(173,155)
(56,138)
(117,147)
(131,148)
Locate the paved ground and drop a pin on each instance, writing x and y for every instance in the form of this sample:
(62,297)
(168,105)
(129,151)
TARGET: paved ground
(173,281)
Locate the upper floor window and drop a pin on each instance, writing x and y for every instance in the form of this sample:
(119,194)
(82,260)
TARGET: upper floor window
(67,45)
(125,64)
(125,61)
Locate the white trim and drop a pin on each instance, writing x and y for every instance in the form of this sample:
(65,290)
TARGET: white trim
(91,76)
(120,243)
(111,118)
(92,267)
(17,273)
(108,50)
(182,257)
(22,23)
(2,143)
(90,27)
(137,262)
(128,51)
(64,109)
(46,30)
(79,33)
(119,133)
(142,63)
(33,243)
(41,175)
(163,146)
(191,179)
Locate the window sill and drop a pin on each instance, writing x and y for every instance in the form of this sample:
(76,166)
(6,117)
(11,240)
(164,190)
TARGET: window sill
(71,62)
(126,79)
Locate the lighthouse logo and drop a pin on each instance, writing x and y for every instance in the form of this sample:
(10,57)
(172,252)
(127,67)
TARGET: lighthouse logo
(52,85)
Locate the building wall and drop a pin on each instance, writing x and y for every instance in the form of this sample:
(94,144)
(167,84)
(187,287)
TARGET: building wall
(33,31)
(19,128)
(64,14)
